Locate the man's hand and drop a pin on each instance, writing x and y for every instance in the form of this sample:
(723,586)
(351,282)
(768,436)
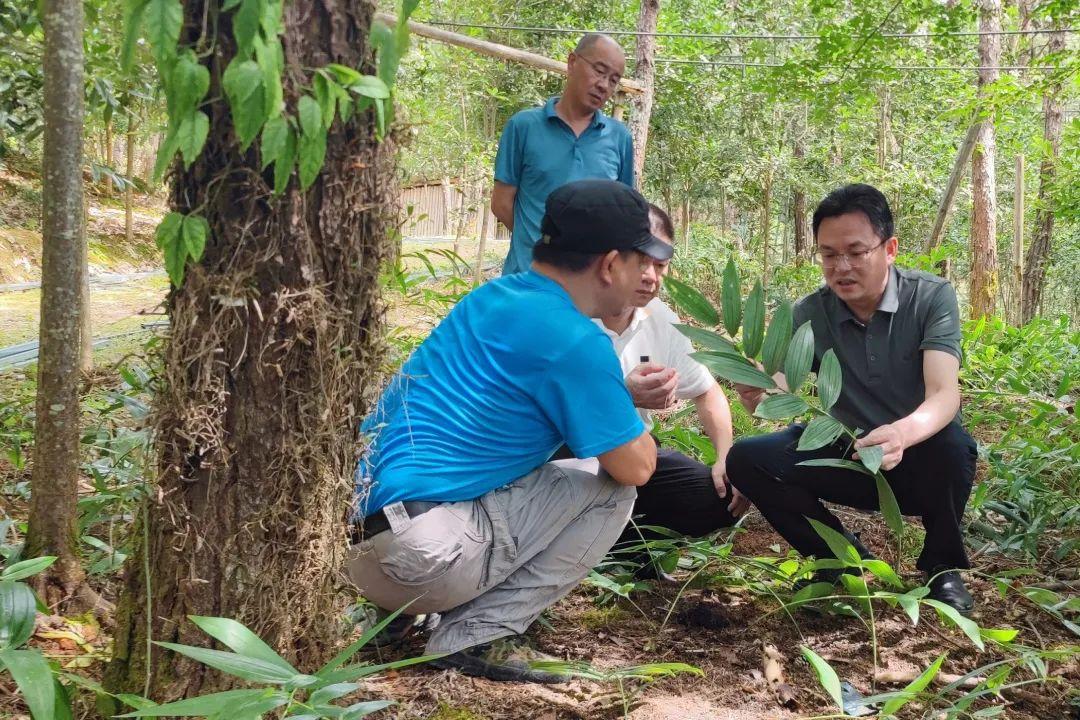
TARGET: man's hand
(891,441)
(739,503)
(652,386)
(749,396)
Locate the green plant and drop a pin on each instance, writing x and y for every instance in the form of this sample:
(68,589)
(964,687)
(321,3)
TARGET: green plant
(646,674)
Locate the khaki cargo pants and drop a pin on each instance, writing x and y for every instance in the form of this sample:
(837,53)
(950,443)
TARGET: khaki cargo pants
(492,565)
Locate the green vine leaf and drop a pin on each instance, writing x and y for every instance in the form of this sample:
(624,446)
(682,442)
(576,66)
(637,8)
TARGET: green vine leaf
(168,229)
(372,87)
(283,166)
(188,85)
(133,20)
(310,117)
(343,74)
(195,231)
(326,97)
(275,135)
(162,21)
(270,60)
(191,136)
(169,147)
(246,25)
(243,83)
(312,154)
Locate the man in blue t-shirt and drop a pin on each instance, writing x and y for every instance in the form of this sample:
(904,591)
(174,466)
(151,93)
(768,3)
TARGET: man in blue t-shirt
(459,512)
(566,139)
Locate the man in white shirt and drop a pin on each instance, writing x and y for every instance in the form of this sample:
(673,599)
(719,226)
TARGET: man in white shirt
(683,494)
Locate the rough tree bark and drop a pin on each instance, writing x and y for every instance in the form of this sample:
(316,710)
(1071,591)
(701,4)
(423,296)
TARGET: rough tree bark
(984,265)
(273,355)
(1038,253)
(798,204)
(644,73)
(54,483)
(129,188)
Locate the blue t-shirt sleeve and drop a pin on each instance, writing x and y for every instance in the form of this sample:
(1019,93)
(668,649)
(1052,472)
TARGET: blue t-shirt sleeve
(626,167)
(511,152)
(585,397)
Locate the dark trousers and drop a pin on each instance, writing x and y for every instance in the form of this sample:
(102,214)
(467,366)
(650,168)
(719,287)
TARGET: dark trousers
(933,481)
(680,496)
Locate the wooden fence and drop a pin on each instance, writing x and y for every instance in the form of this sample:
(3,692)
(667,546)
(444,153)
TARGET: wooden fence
(435,212)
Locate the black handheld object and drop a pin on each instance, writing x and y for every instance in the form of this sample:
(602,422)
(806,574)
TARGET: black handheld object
(644,358)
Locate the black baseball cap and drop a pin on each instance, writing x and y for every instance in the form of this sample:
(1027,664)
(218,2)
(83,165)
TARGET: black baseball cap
(596,216)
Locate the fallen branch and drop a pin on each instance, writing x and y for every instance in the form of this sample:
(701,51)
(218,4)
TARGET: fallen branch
(898,677)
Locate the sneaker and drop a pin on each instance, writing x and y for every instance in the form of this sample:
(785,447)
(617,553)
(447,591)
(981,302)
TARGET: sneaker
(398,629)
(507,658)
(948,587)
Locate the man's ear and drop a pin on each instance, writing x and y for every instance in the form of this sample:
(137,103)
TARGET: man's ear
(892,247)
(606,267)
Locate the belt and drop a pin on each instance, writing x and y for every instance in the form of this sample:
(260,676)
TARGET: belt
(376,523)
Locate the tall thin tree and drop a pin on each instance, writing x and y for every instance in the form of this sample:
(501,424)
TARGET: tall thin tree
(645,73)
(54,483)
(1038,254)
(984,265)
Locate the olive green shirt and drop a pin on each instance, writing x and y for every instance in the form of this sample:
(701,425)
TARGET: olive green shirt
(881,360)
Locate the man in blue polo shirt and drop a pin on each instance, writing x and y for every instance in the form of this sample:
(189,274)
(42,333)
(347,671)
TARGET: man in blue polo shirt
(565,140)
(460,512)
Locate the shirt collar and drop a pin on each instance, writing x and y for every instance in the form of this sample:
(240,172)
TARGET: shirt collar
(889,302)
(639,316)
(599,119)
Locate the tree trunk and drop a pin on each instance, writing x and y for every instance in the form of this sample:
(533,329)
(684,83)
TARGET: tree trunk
(766,220)
(1016,286)
(54,484)
(799,199)
(448,204)
(129,188)
(1038,254)
(644,72)
(272,359)
(86,331)
(884,129)
(684,220)
(984,265)
(109,157)
(485,223)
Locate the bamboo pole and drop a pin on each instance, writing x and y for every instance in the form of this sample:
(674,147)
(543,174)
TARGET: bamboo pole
(945,207)
(495,50)
(1018,237)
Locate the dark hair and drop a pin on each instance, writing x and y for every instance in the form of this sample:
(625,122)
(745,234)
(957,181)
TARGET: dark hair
(857,197)
(661,219)
(569,260)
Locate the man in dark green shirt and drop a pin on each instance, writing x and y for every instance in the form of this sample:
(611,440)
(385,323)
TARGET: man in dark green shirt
(896,334)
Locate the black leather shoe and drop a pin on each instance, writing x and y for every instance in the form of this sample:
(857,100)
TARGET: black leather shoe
(828,575)
(864,552)
(508,659)
(653,571)
(948,587)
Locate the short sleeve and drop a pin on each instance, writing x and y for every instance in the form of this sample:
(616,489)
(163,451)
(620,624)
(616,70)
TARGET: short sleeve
(941,329)
(626,167)
(586,399)
(511,151)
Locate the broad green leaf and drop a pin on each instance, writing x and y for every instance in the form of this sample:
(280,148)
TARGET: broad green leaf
(370,86)
(781,407)
(26,568)
(310,116)
(911,607)
(251,708)
(363,709)
(61,702)
(246,25)
(969,627)
(332,692)
(813,591)
(166,152)
(731,298)
(269,59)
(345,75)
(238,638)
(836,463)
(754,321)
(889,507)
(800,356)
(999,635)
(275,135)
(201,706)
(691,301)
(246,668)
(349,673)
(829,379)
(312,152)
(389,52)
(229,5)
(777,339)
(133,20)
(243,85)
(325,96)
(734,369)
(191,136)
(271,18)
(871,457)
(838,544)
(826,676)
(168,229)
(707,339)
(913,689)
(188,85)
(821,431)
(162,21)
(17,611)
(883,571)
(283,166)
(360,642)
(34,678)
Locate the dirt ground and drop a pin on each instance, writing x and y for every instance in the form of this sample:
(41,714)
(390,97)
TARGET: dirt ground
(722,631)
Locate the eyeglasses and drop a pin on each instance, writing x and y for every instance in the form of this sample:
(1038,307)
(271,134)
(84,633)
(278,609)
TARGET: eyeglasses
(854,259)
(601,70)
